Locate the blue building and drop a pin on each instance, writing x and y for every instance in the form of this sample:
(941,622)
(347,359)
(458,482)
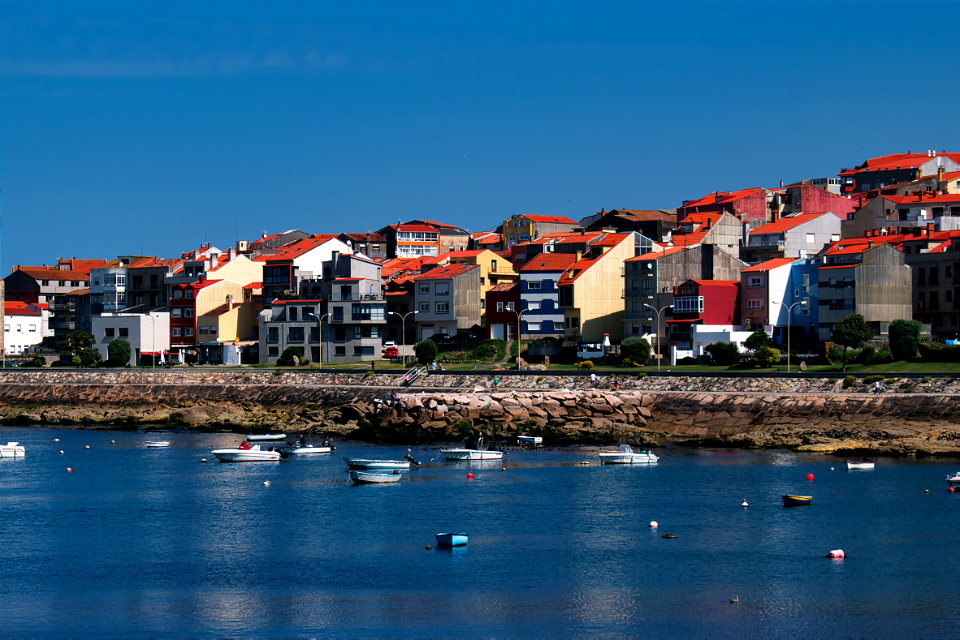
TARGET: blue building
(539,298)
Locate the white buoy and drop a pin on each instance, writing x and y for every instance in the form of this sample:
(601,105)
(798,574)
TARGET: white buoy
(87,447)
(653,524)
(744,503)
(266,483)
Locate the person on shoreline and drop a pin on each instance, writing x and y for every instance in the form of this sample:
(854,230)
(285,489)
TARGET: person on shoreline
(593,380)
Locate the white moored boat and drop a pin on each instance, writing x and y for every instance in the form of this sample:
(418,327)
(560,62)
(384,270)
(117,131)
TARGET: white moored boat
(954,479)
(266,437)
(364,463)
(860,464)
(156,444)
(307,450)
(626,455)
(12,450)
(380,477)
(246,453)
(471,449)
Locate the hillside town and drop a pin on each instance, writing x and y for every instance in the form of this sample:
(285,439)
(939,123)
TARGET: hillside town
(881,240)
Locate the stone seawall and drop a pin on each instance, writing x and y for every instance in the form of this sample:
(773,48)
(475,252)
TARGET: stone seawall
(804,414)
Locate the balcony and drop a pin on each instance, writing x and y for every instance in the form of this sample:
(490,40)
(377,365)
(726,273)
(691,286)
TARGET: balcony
(62,306)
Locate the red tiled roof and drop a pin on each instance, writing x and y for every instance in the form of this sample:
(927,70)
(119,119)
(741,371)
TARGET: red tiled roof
(725,197)
(465,254)
(298,248)
(15,308)
(75,292)
(160,262)
(716,283)
(897,161)
(770,265)
(787,223)
(549,262)
(549,219)
(414,227)
(493,238)
(450,271)
(365,237)
(54,274)
(435,224)
(503,286)
(947,198)
(83,265)
(253,286)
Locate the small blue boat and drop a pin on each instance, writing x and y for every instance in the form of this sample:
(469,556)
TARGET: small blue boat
(451,539)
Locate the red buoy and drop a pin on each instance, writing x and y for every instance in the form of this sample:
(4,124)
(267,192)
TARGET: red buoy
(809,476)
(470,476)
(69,469)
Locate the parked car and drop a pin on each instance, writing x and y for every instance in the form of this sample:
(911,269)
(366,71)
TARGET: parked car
(441,338)
(10,365)
(61,363)
(388,344)
(465,338)
(391,352)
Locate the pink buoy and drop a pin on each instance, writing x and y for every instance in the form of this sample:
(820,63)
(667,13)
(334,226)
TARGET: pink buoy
(654,525)
(836,553)
(809,476)
(831,468)
(69,470)
(469,476)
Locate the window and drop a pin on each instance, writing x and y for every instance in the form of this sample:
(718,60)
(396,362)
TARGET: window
(533,286)
(934,276)
(499,306)
(635,329)
(443,307)
(755,281)
(188,313)
(202,329)
(811,238)
(424,288)
(188,332)
(177,294)
(175,313)
(834,237)
(425,307)
(273,334)
(482,281)
(189,294)
(338,314)
(315,336)
(806,283)
(175,332)
(533,326)
(443,288)
(755,305)
(108,332)
(363,351)
(533,304)
(340,351)
(123,332)
(295,334)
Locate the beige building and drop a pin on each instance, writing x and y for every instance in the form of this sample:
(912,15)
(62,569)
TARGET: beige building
(591,291)
(494,269)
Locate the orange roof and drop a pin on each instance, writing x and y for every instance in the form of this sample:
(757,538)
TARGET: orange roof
(947,198)
(450,271)
(503,286)
(298,248)
(716,283)
(656,255)
(549,262)
(787,223)
(549,219)
(83,265)
(465,254)
(253,286)
(770,265)
(414,227)
(365,237)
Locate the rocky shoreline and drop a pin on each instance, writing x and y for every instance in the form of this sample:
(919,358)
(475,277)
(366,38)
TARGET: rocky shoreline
(803,414)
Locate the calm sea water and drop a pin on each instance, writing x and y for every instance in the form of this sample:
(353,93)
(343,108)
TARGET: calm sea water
(154,543)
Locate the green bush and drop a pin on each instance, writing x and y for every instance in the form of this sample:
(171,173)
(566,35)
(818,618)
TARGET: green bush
(767,357)
(881,357)
(586,364)
(286,358)
(758,339)
(90,357)
(849,381)
(832,381)
(909,388)
(939,352)
(725,354)
(865,354)
(626,362)
(426,351)
(637,349)
(76,361)
(119,350)
(641,375)
(904,338)
(926,379)
(493,349)
(871,379)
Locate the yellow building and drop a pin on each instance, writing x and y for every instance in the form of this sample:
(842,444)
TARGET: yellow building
(591,290)
(523,227)
(494,269)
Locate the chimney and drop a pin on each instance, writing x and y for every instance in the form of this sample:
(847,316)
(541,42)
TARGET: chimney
(871,244)
(717,198)
(229,301)
(940,173)
(781,182)
(931,227)
(231,254)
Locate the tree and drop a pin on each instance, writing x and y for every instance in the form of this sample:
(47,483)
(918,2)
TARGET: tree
(286,358)
(89,356)
(851,332)
(725,354)
(904,339)
(426,351)
(80,340)
(119,351)
(766,357)
(637,349)
(757,339)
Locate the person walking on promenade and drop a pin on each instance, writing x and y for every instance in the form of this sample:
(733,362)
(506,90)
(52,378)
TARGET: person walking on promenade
(593,380)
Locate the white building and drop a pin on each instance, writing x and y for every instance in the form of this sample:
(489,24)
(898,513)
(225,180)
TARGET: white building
(147,333)
(23,327)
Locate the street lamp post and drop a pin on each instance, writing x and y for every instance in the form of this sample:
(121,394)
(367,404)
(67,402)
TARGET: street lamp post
(789,318)
(320,327)
(669,306)
(519,315)
(403,331)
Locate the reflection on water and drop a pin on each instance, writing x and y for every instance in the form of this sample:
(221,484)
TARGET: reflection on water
(139,542)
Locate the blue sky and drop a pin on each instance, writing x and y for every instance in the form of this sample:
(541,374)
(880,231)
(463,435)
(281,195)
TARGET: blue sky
(152,127)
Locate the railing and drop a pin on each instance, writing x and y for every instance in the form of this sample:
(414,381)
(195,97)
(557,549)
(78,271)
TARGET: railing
(355,297)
